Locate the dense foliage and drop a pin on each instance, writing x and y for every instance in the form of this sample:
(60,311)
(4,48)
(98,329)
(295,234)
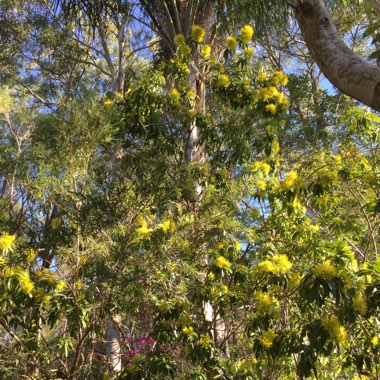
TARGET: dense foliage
(257,260)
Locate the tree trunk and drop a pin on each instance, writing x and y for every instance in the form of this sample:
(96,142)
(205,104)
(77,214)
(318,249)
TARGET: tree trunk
(344,69)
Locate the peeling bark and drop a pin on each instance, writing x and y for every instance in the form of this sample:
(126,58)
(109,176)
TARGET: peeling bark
(344,69)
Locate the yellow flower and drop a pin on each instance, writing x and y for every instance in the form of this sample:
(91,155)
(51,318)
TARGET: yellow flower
(265,303)
(174,94)
(246,33)
(6,241)
(222,263)
(108,103)
(223,81)
(261,185)
(295,280)
(191,113)
(185,49)
(360,304)
(266,339)
(262,166)
(231,42)
(189,331)
(289,181)
(144,231)
(167,226)
(206,51)
(25,282)
(281,99)
(46,299)
(211,276)
(334,329)
(205,341)
(60,285)
(179,39)
(326,271)
(272,108)
(248,52)
(268,92)
(281,263)
(30,254)
(198,33)
(275,147)
(375,341)
(280,78)
(265,266)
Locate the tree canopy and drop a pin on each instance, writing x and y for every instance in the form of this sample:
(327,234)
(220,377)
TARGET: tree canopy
(184,195)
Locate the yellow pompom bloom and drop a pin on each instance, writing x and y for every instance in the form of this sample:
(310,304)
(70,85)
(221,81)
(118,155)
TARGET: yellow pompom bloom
(222,263)
(265,266)
(60,285)
(289,181)
(231,42)
(265,303)
(174,94)
(334,329)
(189,331)
(326,271)
(198,33)
(167,226)
(206,51)
(282,265)
(223,81)
(205,341)
(272,108)
(360,304)
(185,49)
(6,241)
(275,146)
(267,93)
(25,282)
(280,78)
(248,52)
(108,103)
(246,33)
(375,341)
(179,39)
(282,100)
(266,339)
(144,231)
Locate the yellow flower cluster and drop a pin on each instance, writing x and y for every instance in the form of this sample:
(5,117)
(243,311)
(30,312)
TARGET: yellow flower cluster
(231,43)
(198,33)
(248,52)
(280,78)
(143,231)
(205,341)
(360,304)
(222,263)
(6,241)
(265,303)
(267,93)
(60,285)
(180,39)
(326,271)
(174,95)
(108,103)
(260,166)
(289,181)
(25,282)
(246,33)
(275,147)
(272,108)
(266,339)
(206,51)
(282,100)
(167,226)
(334,328)
(279,264)
(224,81)
(263,76)
(189,331)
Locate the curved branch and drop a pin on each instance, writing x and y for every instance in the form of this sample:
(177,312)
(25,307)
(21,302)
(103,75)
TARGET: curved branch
(349,73)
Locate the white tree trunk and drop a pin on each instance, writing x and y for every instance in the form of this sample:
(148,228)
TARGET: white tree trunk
(345,70)
(113,346)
